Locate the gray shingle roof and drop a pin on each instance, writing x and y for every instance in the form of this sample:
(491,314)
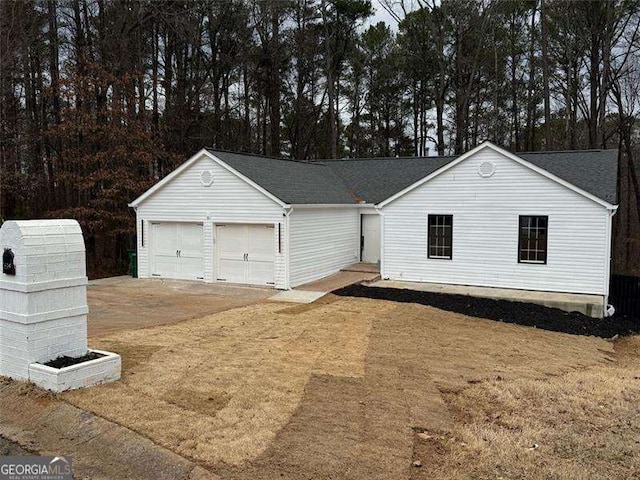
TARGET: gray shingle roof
(594,171)
(289,180)
(376,179)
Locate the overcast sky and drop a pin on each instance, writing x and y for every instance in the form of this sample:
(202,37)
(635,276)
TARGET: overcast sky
(381,15)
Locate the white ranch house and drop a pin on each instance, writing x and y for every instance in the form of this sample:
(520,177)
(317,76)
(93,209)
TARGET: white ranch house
(491,218)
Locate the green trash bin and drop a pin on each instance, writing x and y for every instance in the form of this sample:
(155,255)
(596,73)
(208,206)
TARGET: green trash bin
(133,263)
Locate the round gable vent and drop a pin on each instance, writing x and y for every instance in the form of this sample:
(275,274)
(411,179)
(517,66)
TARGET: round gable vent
(486,169)
(206,178)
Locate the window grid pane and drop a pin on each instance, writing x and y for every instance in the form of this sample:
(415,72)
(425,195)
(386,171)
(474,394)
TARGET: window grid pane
(533,239)
(440,233)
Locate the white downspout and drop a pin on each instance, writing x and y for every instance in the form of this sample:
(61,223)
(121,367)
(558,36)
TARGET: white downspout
(139,237)
(287,247)
(607,276)
(379,210)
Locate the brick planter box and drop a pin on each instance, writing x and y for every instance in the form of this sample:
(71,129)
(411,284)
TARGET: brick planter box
(85,374)
(43,306)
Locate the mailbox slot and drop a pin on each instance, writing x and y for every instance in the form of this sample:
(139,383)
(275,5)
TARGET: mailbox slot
(8,267)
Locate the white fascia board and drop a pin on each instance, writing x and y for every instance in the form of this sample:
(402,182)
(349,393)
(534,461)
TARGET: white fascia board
(308,206)
(509,155)
(191,161)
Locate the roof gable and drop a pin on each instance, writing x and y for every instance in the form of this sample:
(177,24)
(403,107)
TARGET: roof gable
(186,165)
(586,174)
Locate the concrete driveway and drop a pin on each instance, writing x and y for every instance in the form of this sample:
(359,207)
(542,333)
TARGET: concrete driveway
(125,303)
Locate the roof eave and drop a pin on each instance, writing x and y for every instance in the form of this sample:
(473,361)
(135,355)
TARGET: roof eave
(331,205)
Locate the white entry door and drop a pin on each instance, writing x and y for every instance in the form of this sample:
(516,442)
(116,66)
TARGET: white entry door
(371,238)
(177,251)
(245,254)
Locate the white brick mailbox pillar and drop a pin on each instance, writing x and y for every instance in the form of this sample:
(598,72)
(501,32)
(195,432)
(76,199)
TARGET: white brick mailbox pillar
(43,301)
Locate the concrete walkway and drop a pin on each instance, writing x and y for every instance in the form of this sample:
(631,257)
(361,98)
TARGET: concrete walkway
(297,296)
(312,291)
(356,273)
(571,302)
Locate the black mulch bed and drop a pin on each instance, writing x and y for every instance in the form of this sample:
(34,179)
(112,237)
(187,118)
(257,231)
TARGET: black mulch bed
(65,361)
(507,311)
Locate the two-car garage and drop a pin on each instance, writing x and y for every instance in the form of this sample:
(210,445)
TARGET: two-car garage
(240,219)
(243,253)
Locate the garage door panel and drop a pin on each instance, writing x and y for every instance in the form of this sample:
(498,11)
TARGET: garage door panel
(260,273)
(165,236)
(177,250)
(260,242)
(232,271)
(165,248)
(191,241)
(191,268)
(230,240)
(230,265)
(165,267)
(191,261)
(260,255)
(245,254)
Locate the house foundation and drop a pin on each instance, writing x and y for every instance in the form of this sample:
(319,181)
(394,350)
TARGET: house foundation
(591,305)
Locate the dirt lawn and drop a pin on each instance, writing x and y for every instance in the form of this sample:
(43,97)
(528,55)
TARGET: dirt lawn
(355,388)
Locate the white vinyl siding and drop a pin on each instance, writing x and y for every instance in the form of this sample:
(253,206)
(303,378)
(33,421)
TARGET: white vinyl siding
(485,213)
(229,199)
(322,241)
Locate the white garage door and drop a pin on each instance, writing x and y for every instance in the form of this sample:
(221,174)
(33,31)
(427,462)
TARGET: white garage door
(177,251)
(245,254)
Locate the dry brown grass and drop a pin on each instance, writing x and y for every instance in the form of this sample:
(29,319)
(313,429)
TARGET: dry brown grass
(584,424)
(219,388)
(332,390)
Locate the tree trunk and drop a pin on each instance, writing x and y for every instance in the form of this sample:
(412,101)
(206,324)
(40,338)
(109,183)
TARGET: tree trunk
(274,87)
(545,75)
(331,112)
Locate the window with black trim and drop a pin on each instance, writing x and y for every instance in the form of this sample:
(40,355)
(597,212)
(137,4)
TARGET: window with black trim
(532,239)
(440,233)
